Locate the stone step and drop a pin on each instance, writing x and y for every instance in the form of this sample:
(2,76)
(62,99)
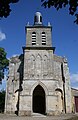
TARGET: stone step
(37,115)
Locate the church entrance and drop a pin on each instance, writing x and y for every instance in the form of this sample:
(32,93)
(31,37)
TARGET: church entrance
(39,100)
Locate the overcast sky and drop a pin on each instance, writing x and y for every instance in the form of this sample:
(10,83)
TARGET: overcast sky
(64,32)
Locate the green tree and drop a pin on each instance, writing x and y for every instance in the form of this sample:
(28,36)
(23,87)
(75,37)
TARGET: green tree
(3,63)
(2,101)
(5,7)
(58,4)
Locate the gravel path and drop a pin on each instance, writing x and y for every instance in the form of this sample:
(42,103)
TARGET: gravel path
(36,117)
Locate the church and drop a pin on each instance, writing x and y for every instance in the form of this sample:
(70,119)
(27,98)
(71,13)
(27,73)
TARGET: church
(38,80)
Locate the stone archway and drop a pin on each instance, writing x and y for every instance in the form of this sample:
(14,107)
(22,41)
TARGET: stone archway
(39,102)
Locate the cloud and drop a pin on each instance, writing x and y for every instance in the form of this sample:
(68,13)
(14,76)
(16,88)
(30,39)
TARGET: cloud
(2,36)
(74,77)
(75,87)
(15,55)
(74,80)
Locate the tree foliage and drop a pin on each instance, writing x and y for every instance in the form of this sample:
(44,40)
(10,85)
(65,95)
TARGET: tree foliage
(58,4)
(3,63)
(2,101)
(5,7)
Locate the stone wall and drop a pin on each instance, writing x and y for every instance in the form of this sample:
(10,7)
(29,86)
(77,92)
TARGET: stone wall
(42,68)
(12,88)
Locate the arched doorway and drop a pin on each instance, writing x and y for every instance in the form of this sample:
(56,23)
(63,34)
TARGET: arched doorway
(39,100)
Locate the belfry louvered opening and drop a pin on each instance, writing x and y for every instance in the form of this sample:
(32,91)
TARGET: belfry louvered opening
(43,38)
(34,38)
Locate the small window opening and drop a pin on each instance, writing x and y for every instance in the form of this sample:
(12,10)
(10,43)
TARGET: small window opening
(35,19)
(43,43)
(40,18)
(33,35)
(33,43)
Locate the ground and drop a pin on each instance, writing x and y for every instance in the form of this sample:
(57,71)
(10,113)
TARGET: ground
(39,117)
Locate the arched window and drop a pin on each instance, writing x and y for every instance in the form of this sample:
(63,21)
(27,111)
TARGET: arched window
(35,19)
(40,18)
(45,65)
(32,66)
(34,38)
(43,38)
(38,65)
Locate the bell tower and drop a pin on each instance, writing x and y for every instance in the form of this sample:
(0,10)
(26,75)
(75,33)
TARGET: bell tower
(38,35)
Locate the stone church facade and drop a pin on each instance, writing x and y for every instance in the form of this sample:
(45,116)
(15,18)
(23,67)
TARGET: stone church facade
(38,80)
